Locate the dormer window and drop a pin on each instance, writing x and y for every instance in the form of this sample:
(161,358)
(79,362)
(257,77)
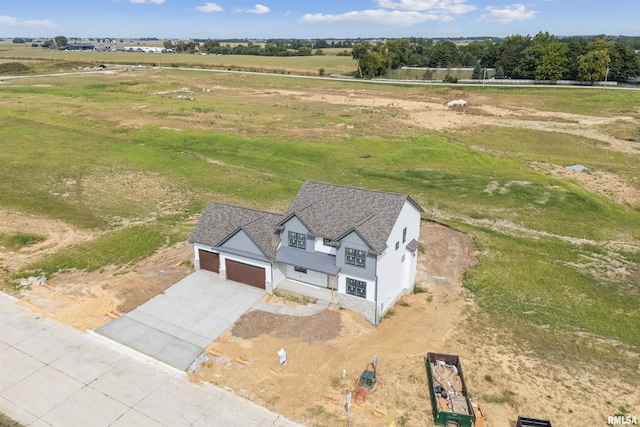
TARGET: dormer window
(297,240)
(355,257)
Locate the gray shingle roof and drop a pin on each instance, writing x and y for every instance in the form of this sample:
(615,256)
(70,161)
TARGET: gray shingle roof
(333,211)
(219,221)
(413,245)
(330,211)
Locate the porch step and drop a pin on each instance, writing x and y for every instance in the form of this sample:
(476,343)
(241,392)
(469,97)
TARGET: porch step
(302,310)
(305,290)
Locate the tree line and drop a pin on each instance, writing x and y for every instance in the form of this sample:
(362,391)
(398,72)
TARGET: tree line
(273,47)
(542,57)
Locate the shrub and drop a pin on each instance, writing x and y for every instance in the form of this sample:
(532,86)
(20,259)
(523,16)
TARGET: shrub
(450,79)
(14,68)
(19,240)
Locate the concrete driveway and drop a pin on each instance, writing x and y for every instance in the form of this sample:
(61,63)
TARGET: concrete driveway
(176,326)
(52,375)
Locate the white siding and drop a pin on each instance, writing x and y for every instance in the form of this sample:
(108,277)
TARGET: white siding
(395,276)
(371,286)
(311,277)
(320,247)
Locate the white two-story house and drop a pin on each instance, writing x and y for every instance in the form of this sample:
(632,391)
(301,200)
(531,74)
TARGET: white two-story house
(359,244)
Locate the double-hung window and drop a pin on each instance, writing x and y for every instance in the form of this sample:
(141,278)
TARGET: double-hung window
(356,287)
(355,257)
(297,240)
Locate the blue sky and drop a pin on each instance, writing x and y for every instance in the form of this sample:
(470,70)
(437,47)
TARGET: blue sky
(315,19)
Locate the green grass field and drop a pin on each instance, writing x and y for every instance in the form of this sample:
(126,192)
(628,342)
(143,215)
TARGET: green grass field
(51,60)
(69,144)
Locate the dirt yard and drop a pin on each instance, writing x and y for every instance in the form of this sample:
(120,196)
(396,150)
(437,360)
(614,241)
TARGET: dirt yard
(311,388)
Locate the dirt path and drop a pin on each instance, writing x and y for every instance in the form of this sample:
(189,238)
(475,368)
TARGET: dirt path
(57,236)
(88,300)
(437,116)
(310,388)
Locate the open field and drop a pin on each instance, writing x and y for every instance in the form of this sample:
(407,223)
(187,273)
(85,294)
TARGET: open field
(40,59)
(124,162)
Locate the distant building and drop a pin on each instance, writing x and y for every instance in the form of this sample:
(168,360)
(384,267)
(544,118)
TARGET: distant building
(79,46)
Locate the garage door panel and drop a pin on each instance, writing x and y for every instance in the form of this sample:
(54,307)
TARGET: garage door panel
(245,273)
(209,261)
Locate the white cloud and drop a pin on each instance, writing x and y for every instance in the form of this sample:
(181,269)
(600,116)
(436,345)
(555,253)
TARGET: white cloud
(10,21)
(209,7)
(399,13)
(147,1)
(515,12)
(441,6)
(378,16)
(259,9)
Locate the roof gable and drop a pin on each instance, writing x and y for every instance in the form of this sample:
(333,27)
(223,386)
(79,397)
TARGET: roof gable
(220,221)
(332,211)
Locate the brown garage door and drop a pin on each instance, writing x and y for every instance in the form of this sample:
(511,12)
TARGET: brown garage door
(209,261)
(244,273)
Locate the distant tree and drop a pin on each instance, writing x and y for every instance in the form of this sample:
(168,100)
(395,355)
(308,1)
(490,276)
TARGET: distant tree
(485,51)
(445,54)
(193,46)
(358,52)
(553,63)
(60,41)
(624,62)
(576,46)
(305,51)
(320,44)
(592,66)
(168,44)
(509,52)
(270,49)
(450,79)
(530,57)
(318,52)
(399,52)
(321,72)
(477,71)
(499,73)
(211,46)
(373,60)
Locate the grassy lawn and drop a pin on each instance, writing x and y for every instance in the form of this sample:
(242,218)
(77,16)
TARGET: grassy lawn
(120,154)
(8,422)
(44,60)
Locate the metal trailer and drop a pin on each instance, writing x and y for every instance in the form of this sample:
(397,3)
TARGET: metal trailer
(532,422)
(448,416)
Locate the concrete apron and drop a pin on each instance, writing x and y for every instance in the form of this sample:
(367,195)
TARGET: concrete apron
(176,326)
(53,375)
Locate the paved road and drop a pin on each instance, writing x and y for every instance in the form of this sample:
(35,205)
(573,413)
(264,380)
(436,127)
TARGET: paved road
(52,375)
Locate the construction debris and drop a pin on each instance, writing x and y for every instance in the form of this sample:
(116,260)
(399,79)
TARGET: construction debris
(40,280)
(449,398)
